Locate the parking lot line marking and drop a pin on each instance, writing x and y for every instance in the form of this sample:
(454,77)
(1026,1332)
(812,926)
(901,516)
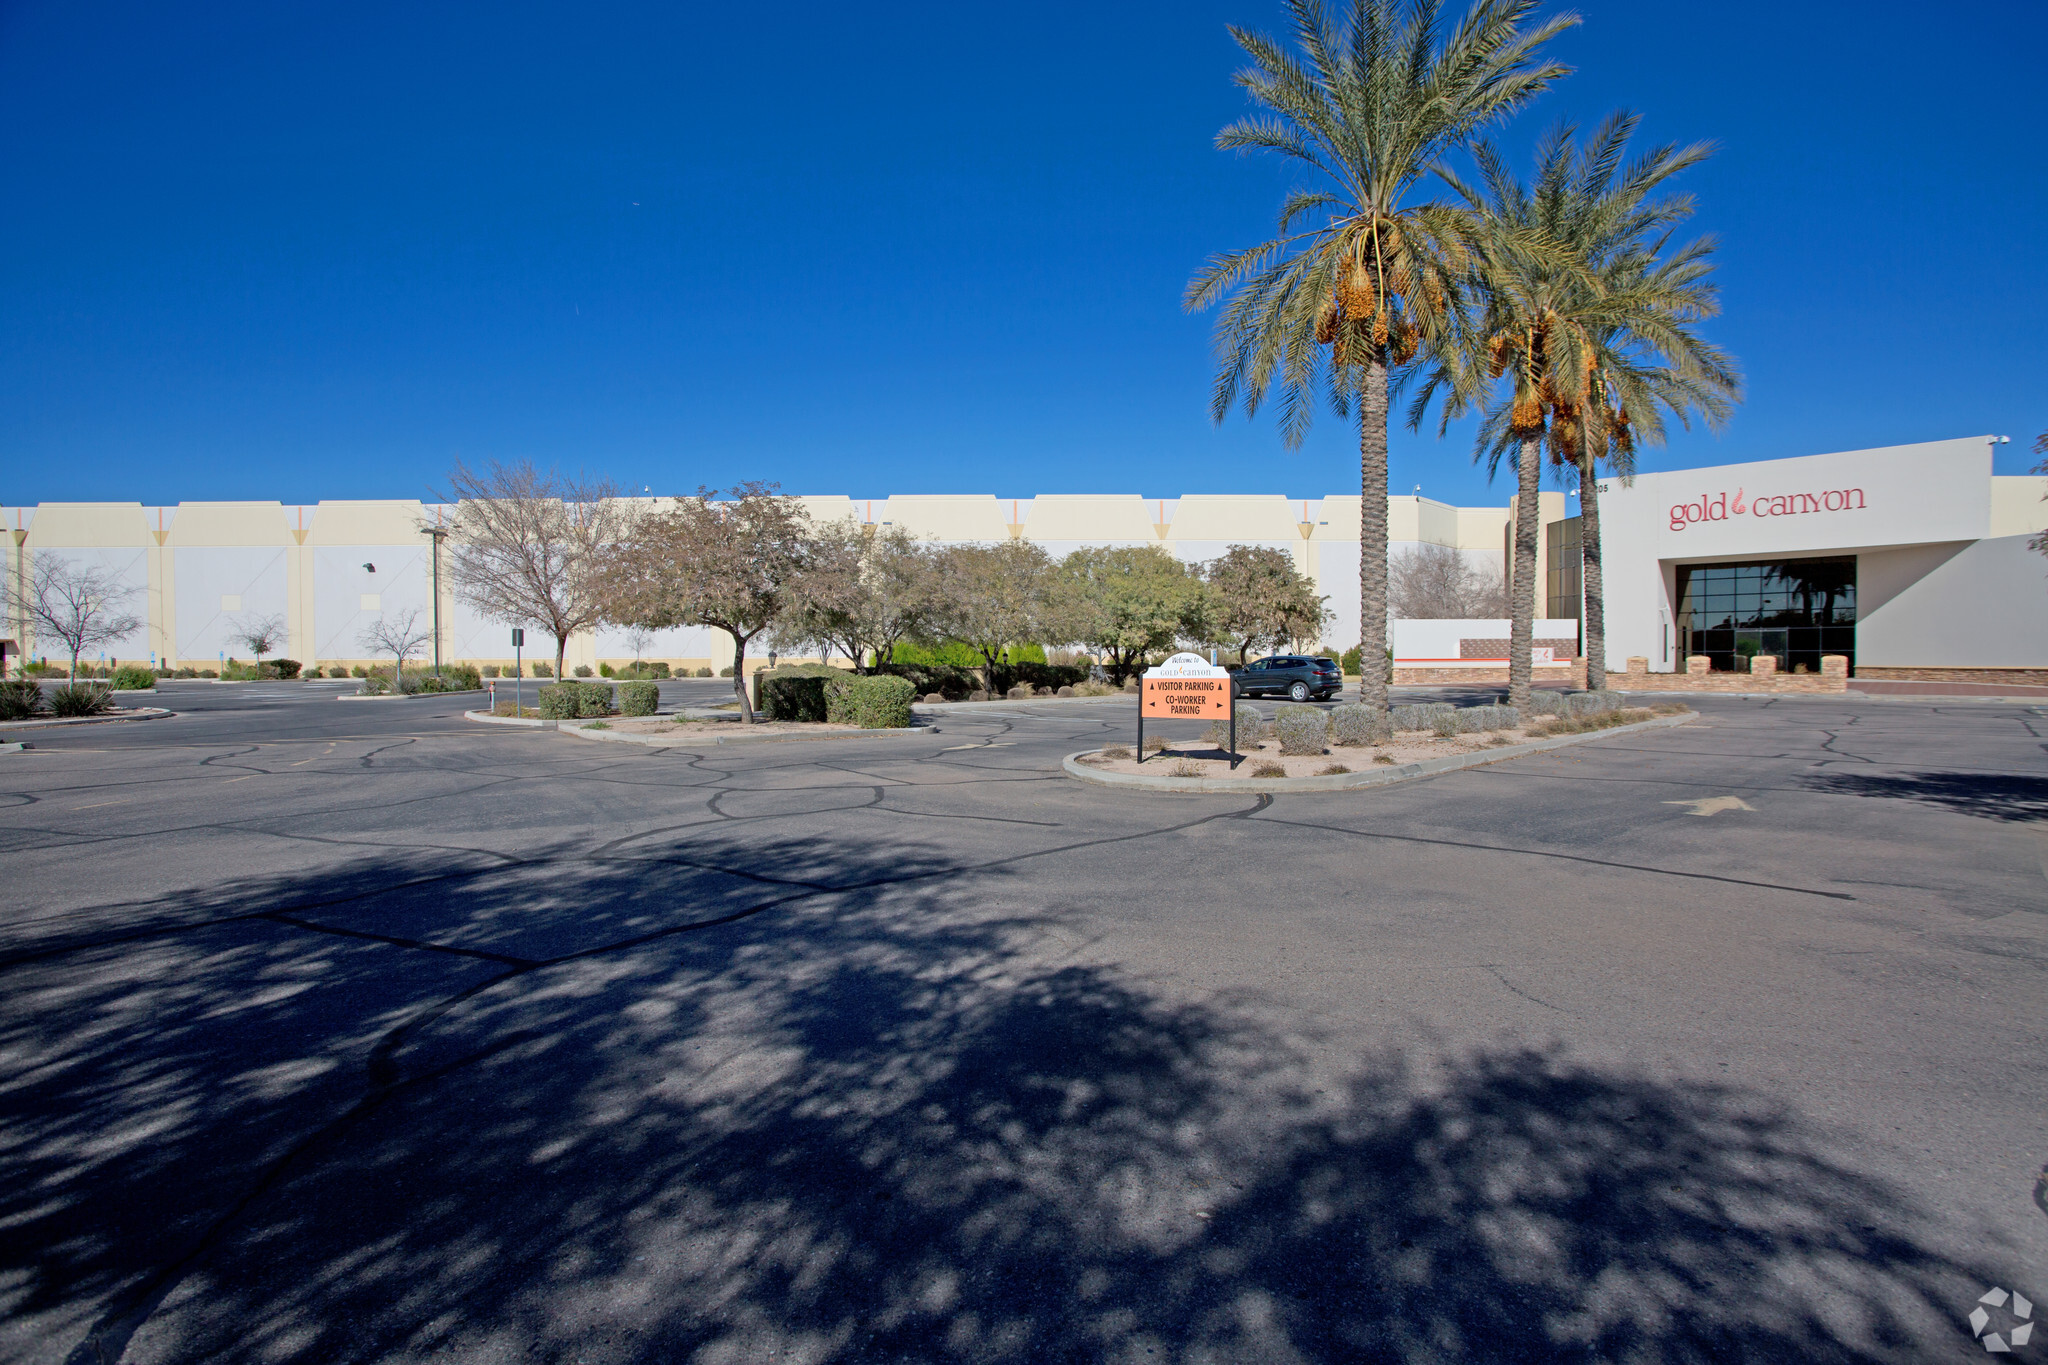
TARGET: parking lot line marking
(1004,744)
(245,779)
(97,804)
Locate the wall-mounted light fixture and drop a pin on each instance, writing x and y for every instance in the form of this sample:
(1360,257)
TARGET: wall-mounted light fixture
(370,568)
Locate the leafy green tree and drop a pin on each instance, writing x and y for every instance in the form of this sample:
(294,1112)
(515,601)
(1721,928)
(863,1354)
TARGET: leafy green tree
(733,563)
(1588,339)
(1126,602)
(1257,598)
(866,588)
(997,597)
(1369,105)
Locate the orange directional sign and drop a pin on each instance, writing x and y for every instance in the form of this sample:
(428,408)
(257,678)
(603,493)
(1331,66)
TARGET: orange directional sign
(1185,698)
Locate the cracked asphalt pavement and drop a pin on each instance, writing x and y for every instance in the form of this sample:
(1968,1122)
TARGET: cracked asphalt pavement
(364,1033)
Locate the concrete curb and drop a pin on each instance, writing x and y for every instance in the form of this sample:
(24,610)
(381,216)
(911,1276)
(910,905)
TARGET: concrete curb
(14,748)
(584,731)
(1378,777)
(486,718)
(404,696)
(945,708)
(139,713)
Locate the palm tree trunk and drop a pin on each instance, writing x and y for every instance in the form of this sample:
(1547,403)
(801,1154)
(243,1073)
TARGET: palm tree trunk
(1372,539)
(1522,597)
(1592,579)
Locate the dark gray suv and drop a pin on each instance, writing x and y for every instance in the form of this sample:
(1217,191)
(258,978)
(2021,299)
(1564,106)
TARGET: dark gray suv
(1298,676)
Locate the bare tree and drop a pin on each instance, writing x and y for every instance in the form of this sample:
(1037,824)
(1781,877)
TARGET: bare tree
(261,634)
(83,607)
(527,544)
(1443,583)
(638,638)
(729,563)
(864,589)
(400,635)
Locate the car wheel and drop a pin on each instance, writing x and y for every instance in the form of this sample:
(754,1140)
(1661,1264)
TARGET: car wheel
(1299,691)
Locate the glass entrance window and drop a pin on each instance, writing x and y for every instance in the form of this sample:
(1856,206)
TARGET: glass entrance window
(1794,609)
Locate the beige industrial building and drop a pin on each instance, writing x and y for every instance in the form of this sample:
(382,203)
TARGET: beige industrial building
(198,570)
(1910,561)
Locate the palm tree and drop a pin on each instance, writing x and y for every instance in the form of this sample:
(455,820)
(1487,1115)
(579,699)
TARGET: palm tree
(1370,104)
(1593,334)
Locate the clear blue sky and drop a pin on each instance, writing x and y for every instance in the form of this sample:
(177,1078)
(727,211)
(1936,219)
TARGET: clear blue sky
(321,249)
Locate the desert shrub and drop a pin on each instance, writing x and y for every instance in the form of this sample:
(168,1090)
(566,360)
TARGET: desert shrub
(604,670)
(1115,751)
(1383,758)
(1348,661)
(186,673)
(639,698)
(337,672)
(1332,770)
(82,699)
(1185,768)
(287,668)
(359,672)
(599,725)
(543,670)
(583,671)
(792,696)
(1064,692)
(208,673)
(133,678)
(977,695)
(874,703)
(725,672)
(1155,744)
(1091,688)
(555,704)
(1266,767)
(1354,726)
(1592,703)
(489,670)
(1020,692)
(21,699)
(1251,728)
(1301,730)
(1412,716)
(1448,724)
(703,672)
(1036,675)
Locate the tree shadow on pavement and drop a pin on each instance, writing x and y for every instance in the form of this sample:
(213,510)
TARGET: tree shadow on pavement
(1989,796)
(871,1125)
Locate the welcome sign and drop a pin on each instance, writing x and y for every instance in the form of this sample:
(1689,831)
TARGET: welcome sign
(1185,687)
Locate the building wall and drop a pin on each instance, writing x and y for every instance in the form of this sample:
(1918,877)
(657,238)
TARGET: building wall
(1946,578)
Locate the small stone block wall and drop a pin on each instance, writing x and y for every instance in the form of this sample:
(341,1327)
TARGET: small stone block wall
(1698,677)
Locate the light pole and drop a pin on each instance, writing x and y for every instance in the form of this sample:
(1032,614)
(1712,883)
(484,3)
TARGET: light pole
(439,534)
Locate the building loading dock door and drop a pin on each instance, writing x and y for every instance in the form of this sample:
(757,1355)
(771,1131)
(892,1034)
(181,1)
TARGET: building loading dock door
(1794,609)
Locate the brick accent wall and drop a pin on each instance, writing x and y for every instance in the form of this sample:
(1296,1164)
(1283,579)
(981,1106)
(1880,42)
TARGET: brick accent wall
(2026,677)
(1494,673)
(1498,649)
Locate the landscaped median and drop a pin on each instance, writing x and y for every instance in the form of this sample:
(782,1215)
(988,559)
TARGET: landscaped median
(1307,752)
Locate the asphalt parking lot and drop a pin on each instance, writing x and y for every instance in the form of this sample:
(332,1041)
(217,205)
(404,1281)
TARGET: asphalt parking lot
(360,1032)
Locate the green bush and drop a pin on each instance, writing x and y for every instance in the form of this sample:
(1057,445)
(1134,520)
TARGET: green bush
(1301,730)
(134,678)
(186,673)
(639,698)
(873,703)
(286,668)
(21,699)
(208,673)
(604,670)
(725,672)
(1349,662)
(82,699)
(583,671)
(793,696)
(543,670)
(461,678)
(568,700)
(490,670)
